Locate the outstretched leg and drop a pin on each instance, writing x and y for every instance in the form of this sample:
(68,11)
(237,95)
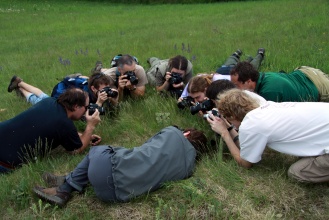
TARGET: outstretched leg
(258,59)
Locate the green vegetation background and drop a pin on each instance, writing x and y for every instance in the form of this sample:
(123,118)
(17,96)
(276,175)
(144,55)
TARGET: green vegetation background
(45,40)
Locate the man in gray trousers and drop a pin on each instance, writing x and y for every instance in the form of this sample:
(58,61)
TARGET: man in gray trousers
(119,174)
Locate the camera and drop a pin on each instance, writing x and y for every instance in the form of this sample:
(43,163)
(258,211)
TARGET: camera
(109,92)
(186,102)
(214,112)
(92,108)
(204,106)
(131,76)
(176,78)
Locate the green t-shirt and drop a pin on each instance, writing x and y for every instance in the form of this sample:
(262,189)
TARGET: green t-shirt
(286,87)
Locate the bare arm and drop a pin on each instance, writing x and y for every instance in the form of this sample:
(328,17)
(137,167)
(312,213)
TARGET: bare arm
(219,126)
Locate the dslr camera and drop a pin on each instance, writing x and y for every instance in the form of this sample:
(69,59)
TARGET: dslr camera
(131,76)
(176,78)
(204,107)
(109,92)
(186,102)
(214,112)
(92,108)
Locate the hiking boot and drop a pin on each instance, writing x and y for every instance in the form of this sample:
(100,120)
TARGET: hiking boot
(261,51)
(98,66)
(52,195)
(237,53)
(52,180)
(14,83)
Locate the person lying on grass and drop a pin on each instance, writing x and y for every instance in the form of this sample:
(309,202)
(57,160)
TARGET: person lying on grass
(294,128)
(119,174)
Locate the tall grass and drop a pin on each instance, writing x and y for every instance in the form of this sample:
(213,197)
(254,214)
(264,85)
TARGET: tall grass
(45,40)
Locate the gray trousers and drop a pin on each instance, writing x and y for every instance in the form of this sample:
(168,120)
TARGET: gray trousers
(311,169)
(95,168)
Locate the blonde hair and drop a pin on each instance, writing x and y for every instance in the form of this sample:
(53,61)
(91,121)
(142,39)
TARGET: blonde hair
(235,103)
(199,83)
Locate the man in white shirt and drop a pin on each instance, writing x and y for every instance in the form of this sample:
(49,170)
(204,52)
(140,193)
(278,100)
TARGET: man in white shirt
(294,128)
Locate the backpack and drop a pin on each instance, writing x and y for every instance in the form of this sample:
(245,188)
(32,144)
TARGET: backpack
(114,61)
(69,82)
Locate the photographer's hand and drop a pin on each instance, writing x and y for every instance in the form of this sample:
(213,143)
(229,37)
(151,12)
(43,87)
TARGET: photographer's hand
(101,98)
(95,140)
(166,84)
(179,85)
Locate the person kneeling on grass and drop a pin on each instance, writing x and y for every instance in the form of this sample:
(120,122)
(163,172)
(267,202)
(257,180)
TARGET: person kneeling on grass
(294,128)
(119,174)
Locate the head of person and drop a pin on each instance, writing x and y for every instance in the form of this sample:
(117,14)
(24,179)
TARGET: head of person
(126,63)
(199,141)
(178,64)
(97,81)
(244,76)
(198,85)
(75,101)
(218,87)
(234,104)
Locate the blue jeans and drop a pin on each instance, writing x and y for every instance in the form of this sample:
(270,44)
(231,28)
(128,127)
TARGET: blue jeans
(233,60)
(34,99)
(4,169)
(95,168)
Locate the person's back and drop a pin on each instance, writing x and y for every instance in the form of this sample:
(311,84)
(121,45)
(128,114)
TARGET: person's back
(167,156)
(35,131)
(285,87)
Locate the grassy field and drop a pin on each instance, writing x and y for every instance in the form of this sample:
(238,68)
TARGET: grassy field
(45,40)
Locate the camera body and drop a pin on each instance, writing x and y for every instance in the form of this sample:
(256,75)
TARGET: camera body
(213,111)
(131,76)
(92,108)
(204,107)
(109,92)
(186,102)
(176,78)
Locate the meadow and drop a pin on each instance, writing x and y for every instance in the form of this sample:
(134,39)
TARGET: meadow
(42,41)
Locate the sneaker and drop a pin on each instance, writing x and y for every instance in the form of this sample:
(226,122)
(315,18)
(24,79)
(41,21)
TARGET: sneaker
(52,180)
(261,51)
(52,195)
(14,83)
(237,53)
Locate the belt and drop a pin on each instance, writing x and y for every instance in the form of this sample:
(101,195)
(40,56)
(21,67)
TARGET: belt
(6,165)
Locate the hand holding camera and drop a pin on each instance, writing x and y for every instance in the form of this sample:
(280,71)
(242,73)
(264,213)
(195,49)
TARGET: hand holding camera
(131,76)
(109,92)
(175,79)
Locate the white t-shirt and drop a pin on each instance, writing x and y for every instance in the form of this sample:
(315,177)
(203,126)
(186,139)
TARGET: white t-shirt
(294,128)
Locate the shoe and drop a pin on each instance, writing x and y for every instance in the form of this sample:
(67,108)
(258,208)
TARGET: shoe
(14,83)
(261,51)
(98,66)
(52,195)
(52,180)
(237,53)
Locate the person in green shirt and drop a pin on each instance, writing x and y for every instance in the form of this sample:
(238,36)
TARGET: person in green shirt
(301,85)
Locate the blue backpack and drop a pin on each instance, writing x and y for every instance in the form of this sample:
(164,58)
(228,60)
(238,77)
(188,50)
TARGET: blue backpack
(69,82)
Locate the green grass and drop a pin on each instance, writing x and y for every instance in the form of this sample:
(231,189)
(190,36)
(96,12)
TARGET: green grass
(35,34)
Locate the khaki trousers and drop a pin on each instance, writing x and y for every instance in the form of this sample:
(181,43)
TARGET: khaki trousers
(311,169)
(320,80)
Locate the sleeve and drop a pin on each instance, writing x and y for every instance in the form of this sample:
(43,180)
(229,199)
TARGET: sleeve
(141,75)
(70,138)
(252,145)
(185,93)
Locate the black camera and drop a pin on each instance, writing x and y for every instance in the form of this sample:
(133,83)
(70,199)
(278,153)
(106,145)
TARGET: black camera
(186,102)
(214,112)
(131,76)
(109,92)
(204,107)
(92,108)
(176,78)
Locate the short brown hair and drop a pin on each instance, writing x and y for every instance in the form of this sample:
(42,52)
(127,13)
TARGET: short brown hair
(245,71)
(72,97)
(235,103)
(98,78)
